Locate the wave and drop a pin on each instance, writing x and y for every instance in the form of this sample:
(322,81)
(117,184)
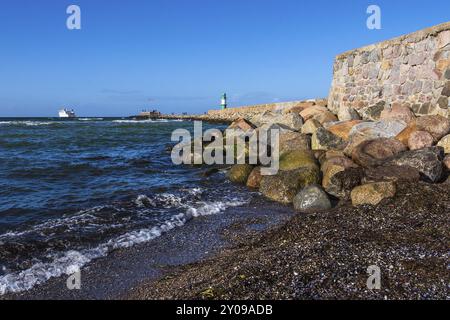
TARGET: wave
(27,123)
(90,119)
(147,121)
(63,263)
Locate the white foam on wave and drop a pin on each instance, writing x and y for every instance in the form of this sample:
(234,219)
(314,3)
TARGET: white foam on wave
(70,260)
(146,121)
(27,123)
(90,119)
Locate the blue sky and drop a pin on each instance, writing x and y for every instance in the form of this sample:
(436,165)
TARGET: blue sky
(181,55)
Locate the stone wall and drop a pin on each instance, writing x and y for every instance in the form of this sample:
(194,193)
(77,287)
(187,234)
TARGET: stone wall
(412,70)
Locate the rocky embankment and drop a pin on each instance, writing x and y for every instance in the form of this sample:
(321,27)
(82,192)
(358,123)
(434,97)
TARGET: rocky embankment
(327,159)
(368,193)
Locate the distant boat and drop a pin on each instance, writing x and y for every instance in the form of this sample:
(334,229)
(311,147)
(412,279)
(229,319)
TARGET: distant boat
(65,113)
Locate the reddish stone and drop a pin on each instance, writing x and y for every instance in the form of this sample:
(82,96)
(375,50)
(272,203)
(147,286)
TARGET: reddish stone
(419,140)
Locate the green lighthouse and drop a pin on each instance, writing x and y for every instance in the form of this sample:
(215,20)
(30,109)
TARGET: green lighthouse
(223,101)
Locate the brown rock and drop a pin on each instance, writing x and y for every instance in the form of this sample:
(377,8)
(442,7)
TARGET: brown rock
(373,130)
(333,166)
(398,112)
(323,139)
(284,186)
(311,126)
(242,124)
(342,129)
(373,193)
(342,183)
(299,107)
(437,125)
(374,152)
(391,173)
(419,140)
(403,136)
(428,161)
(291,141)
(309,113)
(254,179)
(326,155)
(325,117)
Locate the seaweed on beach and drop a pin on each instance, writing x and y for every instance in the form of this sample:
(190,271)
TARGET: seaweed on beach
(326,255)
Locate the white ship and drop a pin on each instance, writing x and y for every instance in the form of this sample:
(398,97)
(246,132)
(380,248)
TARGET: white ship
(65,113)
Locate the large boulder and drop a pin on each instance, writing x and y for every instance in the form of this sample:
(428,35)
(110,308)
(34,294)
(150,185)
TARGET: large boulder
(292,121)
(268,127)
(325,117)
(373,130)
(378,129)
(342,183)
(373,193)
(311,126)
(323,139)
(342,129)
(312,112)
(297,159)
(437,125)
(311,198)
(347,113)
(445,143)
(242,124)
(406,133)
(374,152)
(239,173)
(327,155)
(284,186)
(398,112)
(334,165)
(294,141)
(391,173)
(254,179)
(372,112)
(419,140)
(428,161)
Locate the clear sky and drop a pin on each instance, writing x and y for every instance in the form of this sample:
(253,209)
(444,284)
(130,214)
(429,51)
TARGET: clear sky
(181,55)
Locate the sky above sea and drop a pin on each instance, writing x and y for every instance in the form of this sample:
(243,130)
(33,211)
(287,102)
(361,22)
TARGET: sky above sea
(181,56)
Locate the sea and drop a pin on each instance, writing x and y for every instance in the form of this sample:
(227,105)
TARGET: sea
(74,191)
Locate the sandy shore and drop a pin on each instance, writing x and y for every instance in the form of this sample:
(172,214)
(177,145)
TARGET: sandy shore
(326,255)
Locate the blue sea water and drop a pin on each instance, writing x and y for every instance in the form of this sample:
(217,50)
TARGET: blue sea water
(73,191)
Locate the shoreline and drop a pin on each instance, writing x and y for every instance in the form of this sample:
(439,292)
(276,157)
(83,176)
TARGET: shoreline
(116,275)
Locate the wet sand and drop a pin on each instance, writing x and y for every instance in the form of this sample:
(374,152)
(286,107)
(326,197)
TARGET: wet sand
(325,255)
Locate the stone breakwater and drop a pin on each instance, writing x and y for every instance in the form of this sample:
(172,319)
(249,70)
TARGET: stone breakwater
(411,71)
(232,114)
(324,161)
